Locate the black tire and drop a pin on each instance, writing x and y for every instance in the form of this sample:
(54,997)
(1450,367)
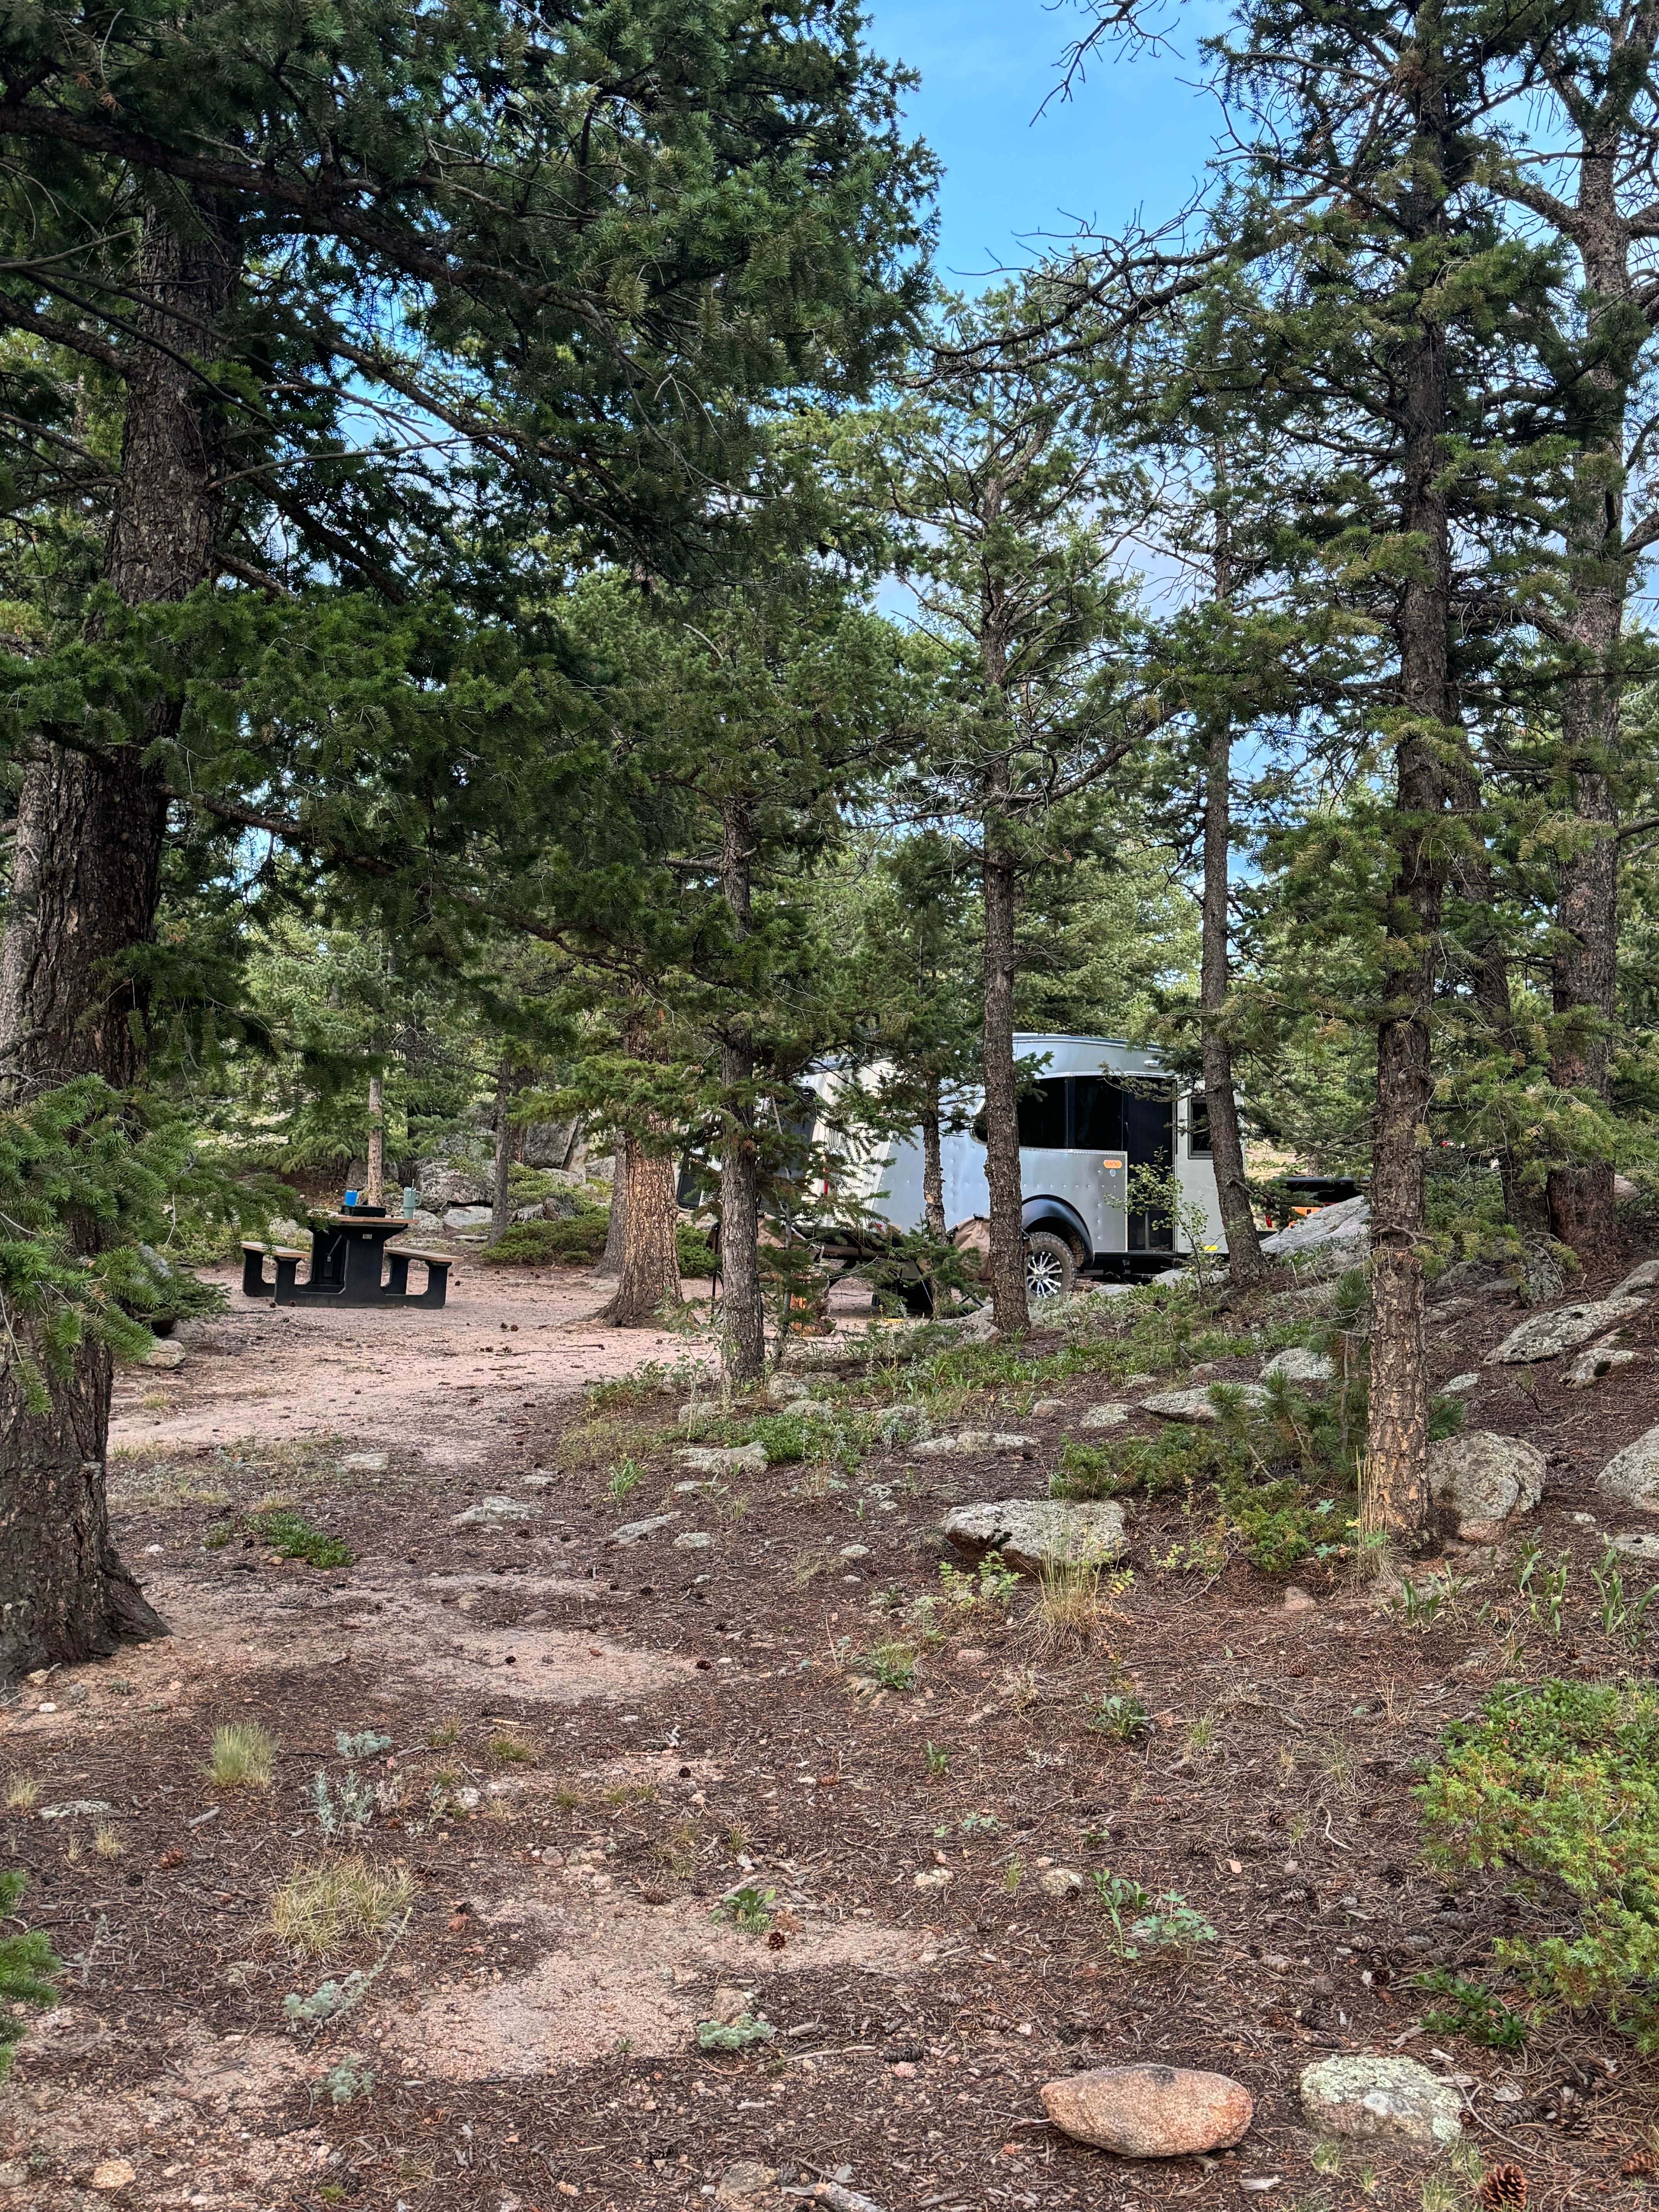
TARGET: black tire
(1050,1264)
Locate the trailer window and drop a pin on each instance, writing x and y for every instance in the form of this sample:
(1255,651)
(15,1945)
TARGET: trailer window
(1096,1115)
(1042,1115)
(1198,1124)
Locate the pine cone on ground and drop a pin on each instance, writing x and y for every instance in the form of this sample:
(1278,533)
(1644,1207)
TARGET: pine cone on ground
(1502,2188)
(1638,2167)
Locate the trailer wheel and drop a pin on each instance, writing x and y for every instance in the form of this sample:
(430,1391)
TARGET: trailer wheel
(1050,1264)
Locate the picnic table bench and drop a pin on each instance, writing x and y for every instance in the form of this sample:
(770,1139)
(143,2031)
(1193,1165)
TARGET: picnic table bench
(349,1252)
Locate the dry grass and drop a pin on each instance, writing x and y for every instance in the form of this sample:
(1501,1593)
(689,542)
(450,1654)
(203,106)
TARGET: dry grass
(319,1907)
(1073,1608)
(512,1751)
(106,1841)
(21,1791)
(244,1756)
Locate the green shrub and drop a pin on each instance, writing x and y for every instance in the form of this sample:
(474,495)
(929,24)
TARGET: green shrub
(1151,1466)
(1468,2010)
(1556,1783)
(575,1243)
(696,1254)
(293,1535)
(27,1971)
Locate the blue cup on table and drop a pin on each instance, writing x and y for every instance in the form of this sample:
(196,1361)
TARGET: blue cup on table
(351,1198)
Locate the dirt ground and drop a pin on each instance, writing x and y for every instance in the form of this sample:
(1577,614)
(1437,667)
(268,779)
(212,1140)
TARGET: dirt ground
(276,1374)
(634,1782)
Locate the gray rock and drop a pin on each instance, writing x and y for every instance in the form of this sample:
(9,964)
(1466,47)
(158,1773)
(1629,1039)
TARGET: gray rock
(1644,1277)
(1485,1478)
(494,1509)
(1347,1224)
(698,1415)
(165,1355)
(853,1551)
(1638,1544)
(444,1184)
(424,1223)
(537,1213)
(814,1409)
(640,1531)
(723,1459)
(779,1388)
(1562,1328)
(1632,1475)
(693,1540)
(1104,1416)
(1033,1533)
(467,1217)
(968,1441)
(77,1809)
(1150,2111)
(1198,1405)
(1366,2093)
(1460,1386)
(1296,1600)
(369,1463)
(1044,1409)
(904,1424)
(1060,1881)
(1298,1365)
(1597,1361)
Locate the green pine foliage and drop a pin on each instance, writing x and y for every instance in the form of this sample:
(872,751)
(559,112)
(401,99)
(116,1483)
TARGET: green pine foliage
(1554,1787)
(28,1971)
(87,1181)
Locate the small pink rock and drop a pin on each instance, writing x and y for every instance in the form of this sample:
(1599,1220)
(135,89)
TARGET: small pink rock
(1150,2111)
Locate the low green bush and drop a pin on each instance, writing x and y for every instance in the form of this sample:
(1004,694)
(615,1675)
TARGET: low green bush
(696,1254)
(293,1535)
(577,1242)
(1556,1784)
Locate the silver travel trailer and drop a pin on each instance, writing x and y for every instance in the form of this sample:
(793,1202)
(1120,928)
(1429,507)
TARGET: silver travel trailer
(1097,1108)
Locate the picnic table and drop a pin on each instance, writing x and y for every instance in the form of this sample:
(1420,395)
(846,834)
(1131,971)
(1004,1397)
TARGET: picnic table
(353,1262)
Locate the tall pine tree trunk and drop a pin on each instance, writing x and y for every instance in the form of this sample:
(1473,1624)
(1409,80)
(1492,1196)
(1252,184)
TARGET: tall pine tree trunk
(375,1173)
(648,1260)
(933,1164)
(616,1228)
(1585,969)
(1009,1304)
(650,1269)
(85,887)
(1245,1261)
(743,1313)
(1395,1500)
(500,1179)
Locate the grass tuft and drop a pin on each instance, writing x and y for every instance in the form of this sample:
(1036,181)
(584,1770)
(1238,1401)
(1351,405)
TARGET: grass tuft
(319,1907)
(21,1791)
(244,1756)
(292,1535)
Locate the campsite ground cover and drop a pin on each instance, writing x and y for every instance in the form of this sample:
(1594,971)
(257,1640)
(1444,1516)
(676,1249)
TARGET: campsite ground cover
(582,1791)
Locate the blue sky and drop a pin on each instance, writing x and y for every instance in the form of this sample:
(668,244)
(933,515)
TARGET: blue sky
(1131,143)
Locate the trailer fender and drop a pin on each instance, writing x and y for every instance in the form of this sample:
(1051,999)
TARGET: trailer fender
(1054,1213)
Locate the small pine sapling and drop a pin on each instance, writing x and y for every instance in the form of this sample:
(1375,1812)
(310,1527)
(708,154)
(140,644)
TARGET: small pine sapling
(29,1969)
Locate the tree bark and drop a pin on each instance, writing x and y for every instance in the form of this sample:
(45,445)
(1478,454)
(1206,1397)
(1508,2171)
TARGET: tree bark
(932,1164)
(1395,1500)
(85,887)
(1009,1305)
(1246,1262)
(616,1231)
(500,1181)
(650,1267)
(1584,968)
(374,1174)
(742,1310)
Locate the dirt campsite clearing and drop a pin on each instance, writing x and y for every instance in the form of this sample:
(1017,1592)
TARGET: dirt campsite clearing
(528,1808)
